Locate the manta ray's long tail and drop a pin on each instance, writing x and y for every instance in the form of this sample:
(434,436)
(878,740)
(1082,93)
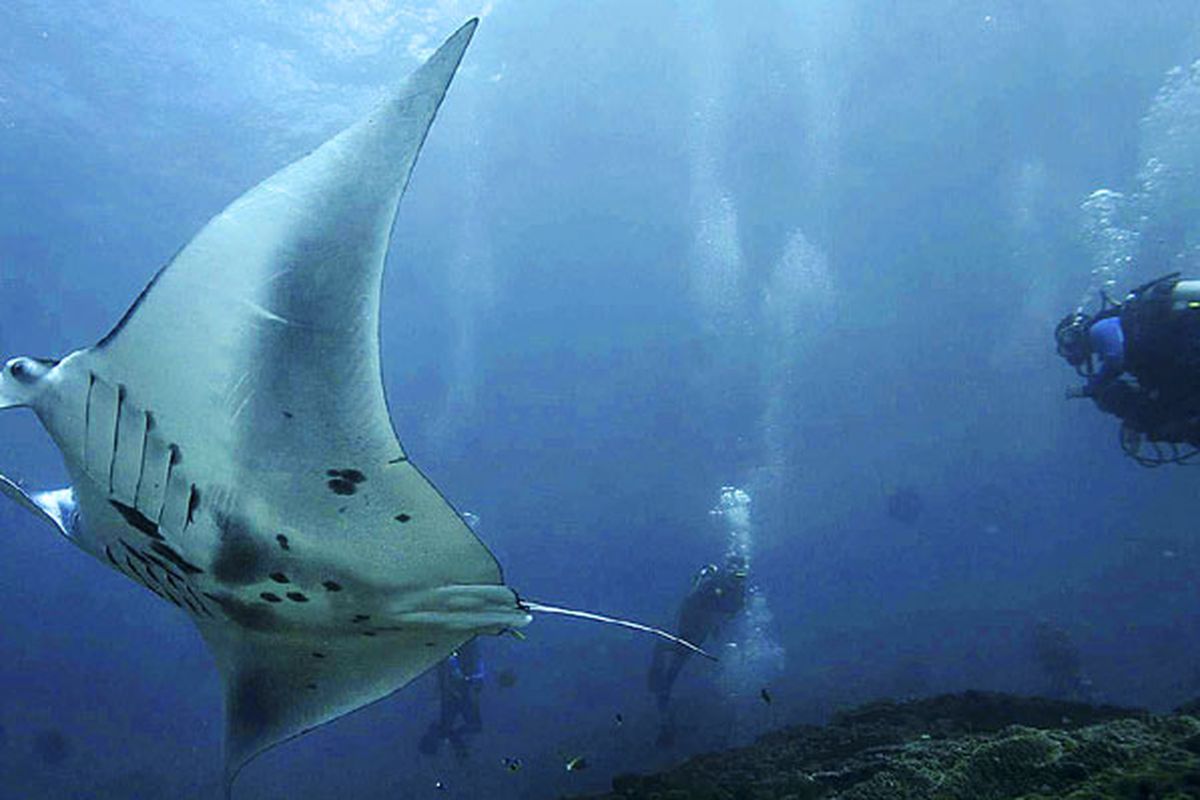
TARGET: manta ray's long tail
(540,608)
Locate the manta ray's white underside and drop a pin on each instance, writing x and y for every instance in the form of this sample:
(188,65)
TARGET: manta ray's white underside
(230,447)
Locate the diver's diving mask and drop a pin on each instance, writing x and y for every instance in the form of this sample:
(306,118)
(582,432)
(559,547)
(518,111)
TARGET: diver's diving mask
(1071,339)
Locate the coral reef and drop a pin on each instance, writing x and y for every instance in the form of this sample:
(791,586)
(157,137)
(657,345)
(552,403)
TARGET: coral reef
(973,746)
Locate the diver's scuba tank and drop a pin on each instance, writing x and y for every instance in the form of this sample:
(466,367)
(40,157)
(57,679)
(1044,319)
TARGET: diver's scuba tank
(1185,297)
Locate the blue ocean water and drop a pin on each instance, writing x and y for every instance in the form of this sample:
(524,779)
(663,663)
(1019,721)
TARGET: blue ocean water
(812,250)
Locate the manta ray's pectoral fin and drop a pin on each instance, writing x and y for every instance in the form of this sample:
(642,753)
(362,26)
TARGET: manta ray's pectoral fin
(54,507)
(281,681)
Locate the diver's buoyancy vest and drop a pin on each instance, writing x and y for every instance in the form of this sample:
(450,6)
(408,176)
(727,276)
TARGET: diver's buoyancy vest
(1161,325)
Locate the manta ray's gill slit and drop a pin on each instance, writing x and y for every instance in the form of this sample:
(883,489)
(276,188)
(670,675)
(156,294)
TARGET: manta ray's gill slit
(203,608)
(133,552)
(155,584)
(137,575)
(177,496)
(179,561)
(137,519)
(129,449)
(147,427)
(87,415)
(193,504)
(170,573)
(116,437)
(156,466)
(148,569)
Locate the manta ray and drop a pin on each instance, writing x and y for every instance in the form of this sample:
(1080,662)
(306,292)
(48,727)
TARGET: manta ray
(230,449)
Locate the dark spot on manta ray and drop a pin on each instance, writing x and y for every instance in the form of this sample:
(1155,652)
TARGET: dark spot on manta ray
(368,633)
(255,703)
(297,597)
(361,618)
(402,518)
(179,561)
(318,655)
(279,577)
(137,519)
(341,486)
(288,414)
(271,598)
(332,586)
(342,510)
(312,687)
(253,616)
(398,460)
(429,644)
(193,504)
(283,542)
(239,559)
(352,475)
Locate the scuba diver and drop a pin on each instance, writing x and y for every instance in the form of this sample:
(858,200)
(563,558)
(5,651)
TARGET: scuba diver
(1141,362)
(1058,659)
(459,682)
(717,595)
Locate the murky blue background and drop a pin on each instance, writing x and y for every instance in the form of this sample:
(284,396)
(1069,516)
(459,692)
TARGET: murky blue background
(813,249)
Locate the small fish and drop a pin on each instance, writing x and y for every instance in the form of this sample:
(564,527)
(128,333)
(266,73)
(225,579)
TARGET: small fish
(620,719)
(577,763)
(441,787)
(513,764)
(766,696)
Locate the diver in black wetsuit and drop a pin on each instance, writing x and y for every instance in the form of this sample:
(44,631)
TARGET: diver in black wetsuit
(1058,659)
(459,681)
(1141,362)
(717,595)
